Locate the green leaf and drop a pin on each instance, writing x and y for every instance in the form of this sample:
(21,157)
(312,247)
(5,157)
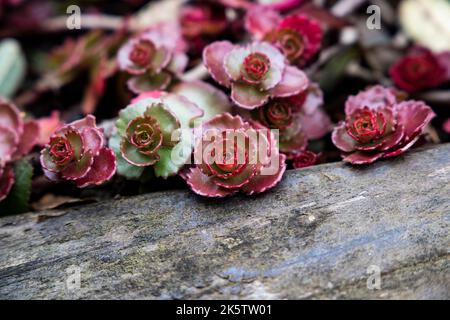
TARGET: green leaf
(211,100)
(335,68)
(123,167)
(185,110)
(19,197)
(173,159)
(12,67)
(131,112)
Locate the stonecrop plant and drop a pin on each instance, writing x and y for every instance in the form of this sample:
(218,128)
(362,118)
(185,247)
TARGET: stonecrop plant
(255,72)
(221,97)
(234,155)
(18,136)
(380,124)
(76,152)
(151,59)
(145,134)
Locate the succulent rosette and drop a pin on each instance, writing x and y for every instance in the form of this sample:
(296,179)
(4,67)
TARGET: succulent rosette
(379,125)
(298,37)
(305,159)
(420,69)
(230,158)
(283,114)
(298,118)
(255,72)
(76,152)
(151,62)
(17,138)
(17,135)
(146,134)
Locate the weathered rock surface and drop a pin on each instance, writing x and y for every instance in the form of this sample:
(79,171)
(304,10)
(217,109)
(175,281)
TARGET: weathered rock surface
(314,236)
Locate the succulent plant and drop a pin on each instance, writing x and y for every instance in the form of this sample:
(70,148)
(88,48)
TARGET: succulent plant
(17,138)
(255,72)
(298,37)
(17,135)
(225,165)
(76,152)
(420,69)
(151,61)
(305,159)
(379,125)
(298,118)
(145,134)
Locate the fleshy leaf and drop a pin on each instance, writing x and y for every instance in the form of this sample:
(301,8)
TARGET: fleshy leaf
(211,100)
(166,121)
(248,97)
(102,169)
(19,196)
(132,154)
(12,67)
(124,168)
(154,82)
(186,111)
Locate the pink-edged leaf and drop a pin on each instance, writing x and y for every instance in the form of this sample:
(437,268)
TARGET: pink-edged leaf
(29,138)
(261,20)
(401,149)
(293,139)
(10,117)
(361,157)
(47,126)
(222,122)
(102,170)
(88,121)
(8,144)
(414,115)
(214,57)
(293,82)
(342,140)
(133,155)
(393,139)
(314,120)
(261,183)
(47,161)
(146,95)
(78,169)
(248,97)
(146,82)
(203,185)
(238,180)
(373,97)
(92,139)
